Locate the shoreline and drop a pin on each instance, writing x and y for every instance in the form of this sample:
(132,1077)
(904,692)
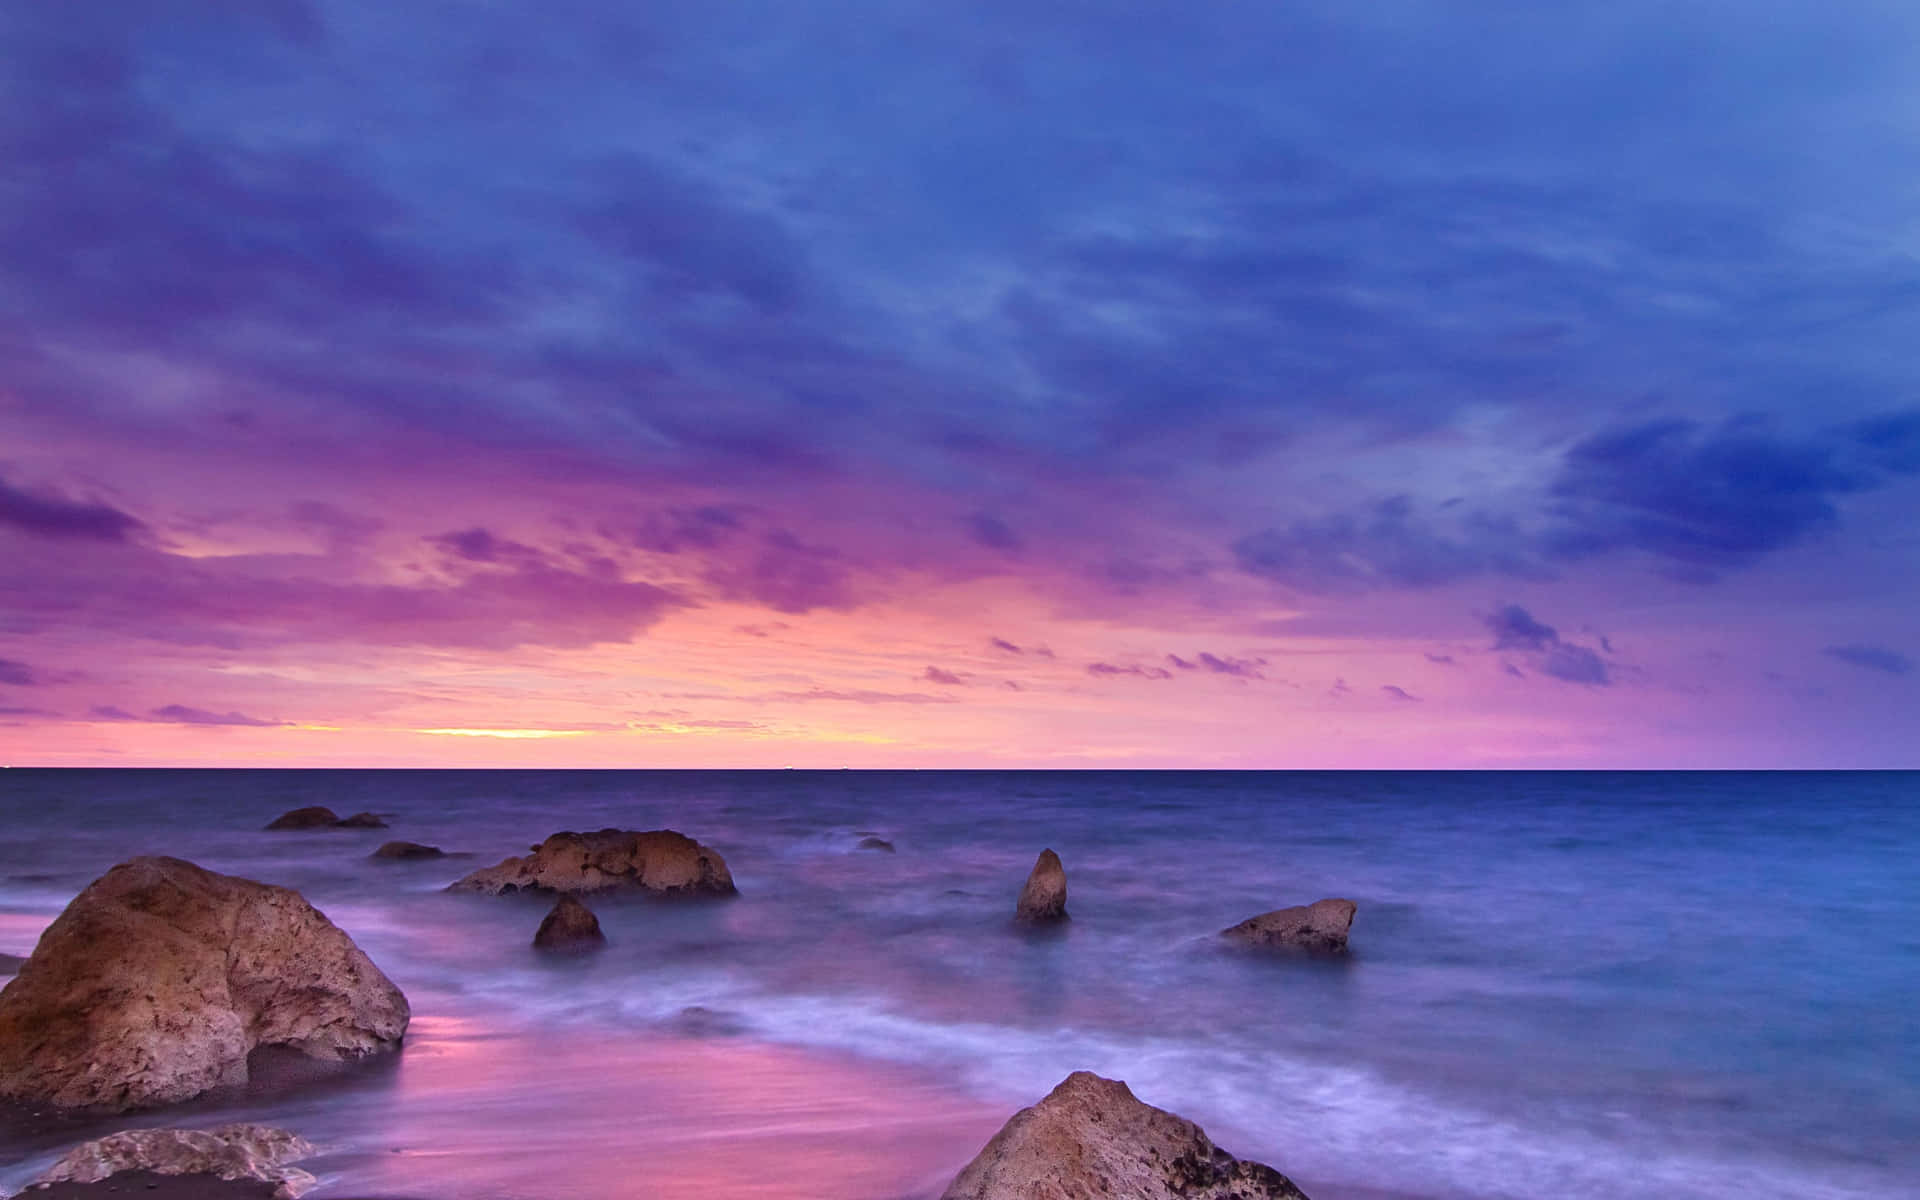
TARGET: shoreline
(484,1114)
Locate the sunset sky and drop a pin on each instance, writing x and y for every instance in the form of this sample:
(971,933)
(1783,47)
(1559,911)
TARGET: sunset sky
(1001,384)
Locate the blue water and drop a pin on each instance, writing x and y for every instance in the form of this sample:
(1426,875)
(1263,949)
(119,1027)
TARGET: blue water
(1563,984)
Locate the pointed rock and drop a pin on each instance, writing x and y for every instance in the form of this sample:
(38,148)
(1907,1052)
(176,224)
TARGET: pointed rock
(1043,900)
(1091,1138)
(1320,927)
(570,926)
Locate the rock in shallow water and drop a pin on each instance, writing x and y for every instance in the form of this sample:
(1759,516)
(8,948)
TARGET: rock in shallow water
(658,861)
(570,926)
(1090,1139)
(313,817)
(319,817)
(160,978)
(407,850)
(231,1152)
(1320,927)
(1043,901)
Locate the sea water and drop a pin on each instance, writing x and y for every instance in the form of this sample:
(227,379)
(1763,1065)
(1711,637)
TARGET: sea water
(1695,985)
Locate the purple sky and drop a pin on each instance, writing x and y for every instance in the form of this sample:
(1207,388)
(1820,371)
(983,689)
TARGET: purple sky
(1450,384)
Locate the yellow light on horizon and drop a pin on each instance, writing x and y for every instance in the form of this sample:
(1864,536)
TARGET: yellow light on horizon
(507,733)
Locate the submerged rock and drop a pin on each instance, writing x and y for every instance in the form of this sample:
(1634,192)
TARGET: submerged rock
(1090,1138)
(658,861)
(407,850)
(160,978)
(570,925)
(313,817)
(1320,927)
(875,843)
(1043,900)
(320,817)
(231,1152)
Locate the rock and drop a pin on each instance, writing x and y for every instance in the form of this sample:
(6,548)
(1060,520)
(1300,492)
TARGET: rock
(9,963)
(1091,1138)
(231,1152)
(1044,899)
(659,861)
(160,978)
(315,817)
(875,843)
(570,926)
(149,1186)
(697,1020)
(319,817)
(1320,927)
(407,850)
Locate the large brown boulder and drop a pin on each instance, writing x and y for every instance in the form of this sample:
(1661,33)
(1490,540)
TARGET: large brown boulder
(1043,901)
(1320,927)
(570,926)
(1090,1139)
(659,861)
(160,978)
(231,1152)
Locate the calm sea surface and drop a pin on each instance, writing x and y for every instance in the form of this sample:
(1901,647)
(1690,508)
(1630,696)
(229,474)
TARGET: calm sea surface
(1563,985)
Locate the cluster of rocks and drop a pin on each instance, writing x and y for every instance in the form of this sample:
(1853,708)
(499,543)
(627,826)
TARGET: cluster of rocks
(161,978)
(1317,928)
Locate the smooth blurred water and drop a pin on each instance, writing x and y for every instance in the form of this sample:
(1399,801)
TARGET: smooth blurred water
(1563,984)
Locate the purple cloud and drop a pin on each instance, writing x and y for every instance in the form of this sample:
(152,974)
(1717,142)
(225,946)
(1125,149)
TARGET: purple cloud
(1399,693)
(482,546)
(787,575)
(1515,629)
(1109,669)
(990,531)
(946,678)
(54,517)
(181,714)
(16,673)
(1241,668)
(1872,658)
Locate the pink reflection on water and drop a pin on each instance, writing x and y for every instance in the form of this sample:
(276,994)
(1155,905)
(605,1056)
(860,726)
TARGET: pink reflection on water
(19,932)
(478,1114)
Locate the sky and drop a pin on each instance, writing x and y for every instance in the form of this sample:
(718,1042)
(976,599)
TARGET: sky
(1421,383)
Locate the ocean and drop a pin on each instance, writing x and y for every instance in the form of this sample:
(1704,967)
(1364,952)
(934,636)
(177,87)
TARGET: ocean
(1562,985)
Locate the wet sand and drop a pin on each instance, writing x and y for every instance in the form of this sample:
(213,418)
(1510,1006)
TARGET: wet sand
(484,1115)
